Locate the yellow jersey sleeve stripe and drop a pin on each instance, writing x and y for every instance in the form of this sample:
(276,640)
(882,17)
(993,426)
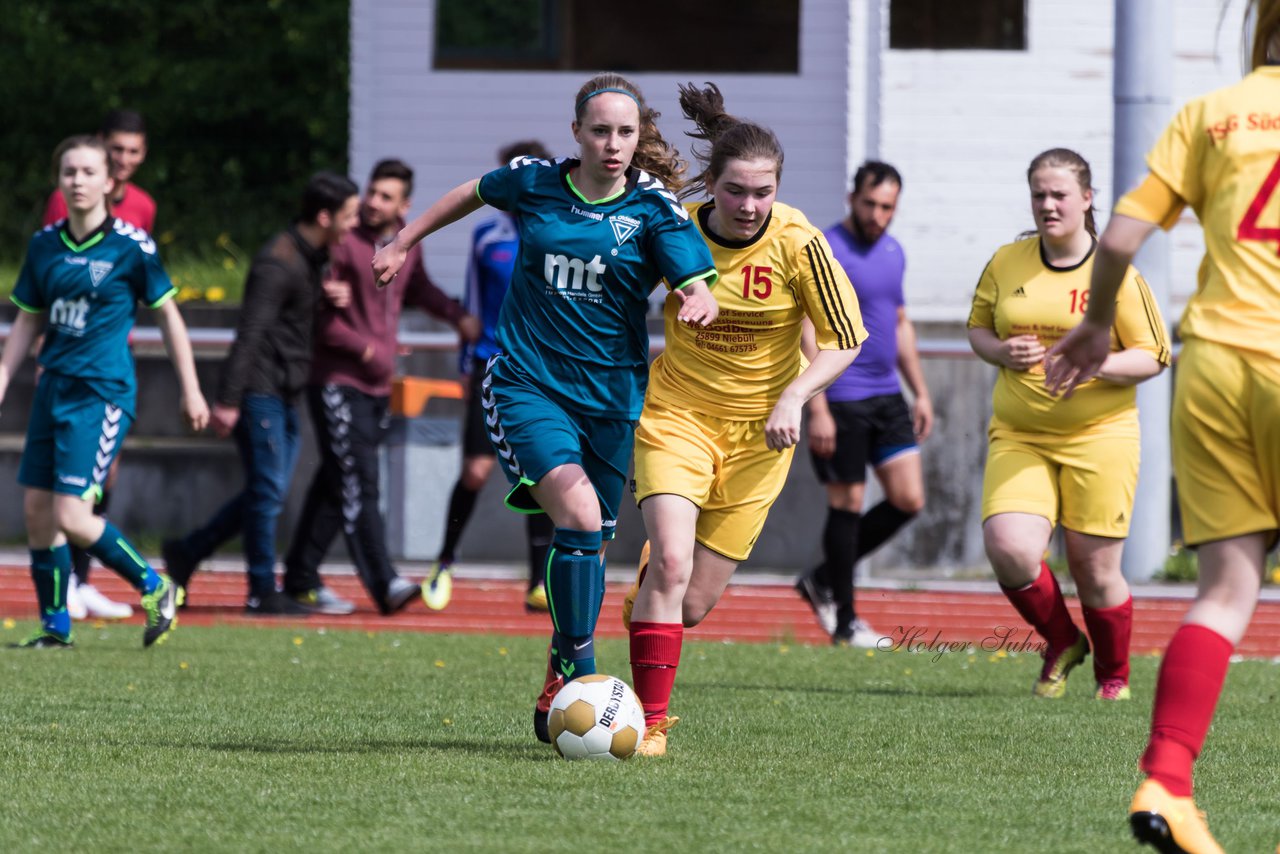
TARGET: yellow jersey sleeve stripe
(1158,333)
(838,319)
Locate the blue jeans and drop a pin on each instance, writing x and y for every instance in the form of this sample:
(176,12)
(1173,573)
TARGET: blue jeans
(267,437)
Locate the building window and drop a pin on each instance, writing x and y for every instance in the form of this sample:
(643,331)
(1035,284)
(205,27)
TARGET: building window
(955,25)
(737,36)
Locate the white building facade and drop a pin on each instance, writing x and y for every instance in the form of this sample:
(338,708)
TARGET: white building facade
(960,125)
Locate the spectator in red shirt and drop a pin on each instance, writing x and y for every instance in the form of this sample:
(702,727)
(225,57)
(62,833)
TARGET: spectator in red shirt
(125,134)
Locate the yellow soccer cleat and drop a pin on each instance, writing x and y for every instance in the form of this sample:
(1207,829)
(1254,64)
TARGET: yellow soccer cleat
(655,738)
(1169,824)
(629,601)
(437,588)
(536,600)
(1052,683)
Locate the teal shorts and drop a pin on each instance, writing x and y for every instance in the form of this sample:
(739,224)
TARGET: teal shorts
(73,434)
(533,433)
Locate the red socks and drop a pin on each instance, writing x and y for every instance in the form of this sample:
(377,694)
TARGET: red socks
(1109,632)
(1040,603)
(1191,677)
(655,655)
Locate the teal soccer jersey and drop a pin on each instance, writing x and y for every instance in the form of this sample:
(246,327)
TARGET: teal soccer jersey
(90,291)
(574,317)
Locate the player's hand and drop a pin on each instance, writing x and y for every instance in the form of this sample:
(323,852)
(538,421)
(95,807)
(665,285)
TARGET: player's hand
(387,262)
(922,418)
(223,419)
(337,292)
(195,411)
(822,433)
(697,306)
(469,328)
(782,430)
(1077,358)
(1021,352)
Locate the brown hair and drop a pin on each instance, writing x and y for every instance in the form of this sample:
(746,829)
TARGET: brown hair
(731,138)
(653,153)
(1065,158)
(82,140)
(1265,17)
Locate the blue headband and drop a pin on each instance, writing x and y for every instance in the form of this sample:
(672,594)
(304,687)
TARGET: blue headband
(590,95)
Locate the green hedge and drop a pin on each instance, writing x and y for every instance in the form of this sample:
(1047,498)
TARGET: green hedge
(243,100)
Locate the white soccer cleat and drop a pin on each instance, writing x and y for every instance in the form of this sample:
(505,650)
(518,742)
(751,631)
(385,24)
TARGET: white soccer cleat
(99,606)
(75,605)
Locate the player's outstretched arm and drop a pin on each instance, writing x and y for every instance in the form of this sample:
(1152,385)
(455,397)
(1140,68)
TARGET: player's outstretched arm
(782,430)
(177,343)
(26,326)
(1078,357)
(450,207)
(697,306)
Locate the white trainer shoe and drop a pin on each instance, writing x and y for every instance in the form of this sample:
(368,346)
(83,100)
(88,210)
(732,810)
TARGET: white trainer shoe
(99,606)
(75,605)
(864,636)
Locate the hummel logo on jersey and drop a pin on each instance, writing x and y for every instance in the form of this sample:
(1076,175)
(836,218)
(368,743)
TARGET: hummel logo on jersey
(1020,292)
(98,271)
(596,215)
(571,274)
(623,227)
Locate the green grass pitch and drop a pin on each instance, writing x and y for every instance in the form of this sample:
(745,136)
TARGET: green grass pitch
(244,739)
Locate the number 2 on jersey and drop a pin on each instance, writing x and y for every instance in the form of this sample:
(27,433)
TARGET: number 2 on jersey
(1249,228)
(756,282)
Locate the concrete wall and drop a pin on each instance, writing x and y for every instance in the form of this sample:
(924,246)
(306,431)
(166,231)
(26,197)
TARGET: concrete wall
(170,482)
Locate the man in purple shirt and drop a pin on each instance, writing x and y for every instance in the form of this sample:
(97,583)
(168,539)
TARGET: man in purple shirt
(863,417)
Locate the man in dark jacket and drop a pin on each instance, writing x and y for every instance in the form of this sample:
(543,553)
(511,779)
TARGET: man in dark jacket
(264,373)
(348,396)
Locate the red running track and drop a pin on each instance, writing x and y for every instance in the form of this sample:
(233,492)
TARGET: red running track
(749,613)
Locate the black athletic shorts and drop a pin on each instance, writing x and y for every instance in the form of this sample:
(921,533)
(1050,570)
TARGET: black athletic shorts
(871,431)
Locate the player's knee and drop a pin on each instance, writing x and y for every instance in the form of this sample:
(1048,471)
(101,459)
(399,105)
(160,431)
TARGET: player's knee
(37,510)
(670,572)
(909,504)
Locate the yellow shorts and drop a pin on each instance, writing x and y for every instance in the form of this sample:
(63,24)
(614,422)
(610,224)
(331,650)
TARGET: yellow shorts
(722,466)
(1226,442)
(1085,482)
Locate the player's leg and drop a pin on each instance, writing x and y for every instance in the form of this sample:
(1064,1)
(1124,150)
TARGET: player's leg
(539,531)
(1107,606)
(1097,481)
(354,452)
(575,582)
(478,461)
(50,570)
(1226,457)
(94,603)
(268,436)
(828,587)
(895,457)
(50,557)
(321,519)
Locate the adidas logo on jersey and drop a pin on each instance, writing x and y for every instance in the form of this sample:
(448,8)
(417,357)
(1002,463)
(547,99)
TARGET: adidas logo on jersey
(1020,292)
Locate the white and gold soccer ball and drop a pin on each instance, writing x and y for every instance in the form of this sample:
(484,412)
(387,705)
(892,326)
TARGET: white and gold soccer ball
(596,717)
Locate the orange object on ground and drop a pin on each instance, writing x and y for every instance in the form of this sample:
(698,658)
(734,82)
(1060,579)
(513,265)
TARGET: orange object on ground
(409,395)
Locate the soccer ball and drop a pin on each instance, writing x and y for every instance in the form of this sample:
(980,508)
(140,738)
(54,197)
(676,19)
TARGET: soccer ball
(596,717)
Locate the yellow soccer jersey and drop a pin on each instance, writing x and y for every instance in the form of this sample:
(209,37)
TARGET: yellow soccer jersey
(737,368)
(1020,294)
(1221,155)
